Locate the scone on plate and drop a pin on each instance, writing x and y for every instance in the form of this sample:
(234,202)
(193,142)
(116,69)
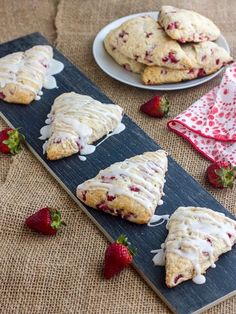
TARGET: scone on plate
(187,26)
(142,39)
(127,63)
(75,121)
(131,189)
(197,237)
(22,74)
(207,57)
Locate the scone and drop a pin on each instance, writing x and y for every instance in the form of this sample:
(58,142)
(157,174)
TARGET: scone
(22,74)
(131,189)
(197,237)
(187,26)
(207,58)
(75,121)
(127,63)
(143,40)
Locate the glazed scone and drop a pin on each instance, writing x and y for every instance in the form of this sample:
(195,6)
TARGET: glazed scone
(207,58)
(127,63)
(197,237)
(22,74)
(187,26)
(131,189)
(75,121)
(143,40)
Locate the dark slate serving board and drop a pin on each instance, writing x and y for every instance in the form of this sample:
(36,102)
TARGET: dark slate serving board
(180,188)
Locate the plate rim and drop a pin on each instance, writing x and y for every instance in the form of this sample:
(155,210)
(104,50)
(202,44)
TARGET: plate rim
(161,87)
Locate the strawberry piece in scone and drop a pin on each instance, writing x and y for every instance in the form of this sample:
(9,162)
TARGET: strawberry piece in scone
(187,26)
(143,40)
(207,58)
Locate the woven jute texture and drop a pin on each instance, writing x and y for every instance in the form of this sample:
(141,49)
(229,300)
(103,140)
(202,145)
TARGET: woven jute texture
(62,274)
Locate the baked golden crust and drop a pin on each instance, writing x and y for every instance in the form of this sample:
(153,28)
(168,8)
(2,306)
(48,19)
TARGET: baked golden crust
(127,63)
(197,237)
(131,189)
(22,74)
(206,57)
(143,40)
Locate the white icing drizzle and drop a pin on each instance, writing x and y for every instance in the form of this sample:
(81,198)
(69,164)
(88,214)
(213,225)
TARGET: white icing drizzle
(193,234)
(30,70)
(89,149)
(82,120)
(140,178)
(158,220)
(82,158)
(160,257)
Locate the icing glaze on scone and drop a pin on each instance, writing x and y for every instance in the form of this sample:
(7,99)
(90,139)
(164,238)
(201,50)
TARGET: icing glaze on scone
(75,122)
(206,57)
(23,74)
(143,40)
(132,188)
(187,26)
(197,237)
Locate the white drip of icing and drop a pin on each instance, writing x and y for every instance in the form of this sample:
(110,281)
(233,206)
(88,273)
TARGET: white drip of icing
(82,158)
(159,258)
(157,220)
(89,149)
(199,279)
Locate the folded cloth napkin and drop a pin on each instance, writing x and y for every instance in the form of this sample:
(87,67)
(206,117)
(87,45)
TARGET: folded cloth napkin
(209,124)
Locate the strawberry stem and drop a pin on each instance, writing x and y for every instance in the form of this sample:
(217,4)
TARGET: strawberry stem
(15,138)
(122,239)
(57,222)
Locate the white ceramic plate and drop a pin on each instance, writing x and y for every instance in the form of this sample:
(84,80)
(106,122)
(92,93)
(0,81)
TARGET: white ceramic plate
(109,66)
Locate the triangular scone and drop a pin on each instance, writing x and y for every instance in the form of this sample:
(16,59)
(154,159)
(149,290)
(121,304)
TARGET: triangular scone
(75,121)
(127,63)
(22,74)
(187,26)
(206,57)
(197,237)
(131,189)
(142,39)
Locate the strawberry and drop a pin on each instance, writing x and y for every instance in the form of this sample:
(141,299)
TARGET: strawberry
(157,107)
(221,174)
(118,255)
(46,221)
(10,141)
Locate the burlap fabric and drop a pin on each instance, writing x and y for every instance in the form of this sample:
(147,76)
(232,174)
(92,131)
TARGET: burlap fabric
(63,274)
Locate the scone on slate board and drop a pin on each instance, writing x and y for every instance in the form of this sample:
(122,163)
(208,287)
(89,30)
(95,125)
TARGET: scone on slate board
(22,74)
(76,121)
(207,57)
(187,26)
(197,237)
(143,40)
(131,189)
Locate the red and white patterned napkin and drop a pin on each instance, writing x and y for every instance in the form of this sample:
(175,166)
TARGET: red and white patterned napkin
(210,123)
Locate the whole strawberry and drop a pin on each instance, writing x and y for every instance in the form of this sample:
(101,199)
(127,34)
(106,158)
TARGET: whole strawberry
(47,221)
(221,174)
(118,255)
(10,141)
(157,107)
